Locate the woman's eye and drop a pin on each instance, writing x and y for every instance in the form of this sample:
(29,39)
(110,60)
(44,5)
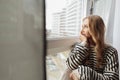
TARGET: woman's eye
(86,26)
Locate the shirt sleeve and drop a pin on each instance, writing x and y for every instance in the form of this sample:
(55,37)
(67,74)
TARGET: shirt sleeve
(111,70)
(76,57)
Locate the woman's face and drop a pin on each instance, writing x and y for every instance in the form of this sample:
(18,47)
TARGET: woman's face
(85,28)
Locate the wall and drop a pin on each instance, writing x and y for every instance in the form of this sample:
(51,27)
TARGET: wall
(21,39)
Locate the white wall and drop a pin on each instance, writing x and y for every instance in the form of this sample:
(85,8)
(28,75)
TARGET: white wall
(21,40)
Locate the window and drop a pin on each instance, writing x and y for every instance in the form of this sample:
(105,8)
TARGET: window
(63,13)
(63,21)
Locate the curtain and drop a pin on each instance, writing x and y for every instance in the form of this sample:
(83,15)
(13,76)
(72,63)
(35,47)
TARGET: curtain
(110,22)
(116,31)
(105,9)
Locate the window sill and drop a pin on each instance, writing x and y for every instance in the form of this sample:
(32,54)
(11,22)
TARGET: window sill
(57,45)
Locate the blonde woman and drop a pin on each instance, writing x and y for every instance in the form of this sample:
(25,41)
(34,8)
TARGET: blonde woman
(92,58)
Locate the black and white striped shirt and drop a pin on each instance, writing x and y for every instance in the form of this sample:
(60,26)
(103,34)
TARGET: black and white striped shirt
(87,68)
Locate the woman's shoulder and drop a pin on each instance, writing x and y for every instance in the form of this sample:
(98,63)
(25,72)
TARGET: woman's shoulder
(109,49)
(111,55)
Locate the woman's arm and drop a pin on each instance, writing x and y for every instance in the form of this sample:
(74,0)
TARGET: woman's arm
(111,70)
(77,56)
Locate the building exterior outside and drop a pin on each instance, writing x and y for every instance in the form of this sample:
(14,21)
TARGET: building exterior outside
(73,17)
(68,21)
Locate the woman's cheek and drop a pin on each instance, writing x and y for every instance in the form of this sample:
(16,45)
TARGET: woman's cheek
(83,33)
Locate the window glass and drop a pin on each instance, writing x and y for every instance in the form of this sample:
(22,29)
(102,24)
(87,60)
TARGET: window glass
(63,18)
(55,65)
(63,23)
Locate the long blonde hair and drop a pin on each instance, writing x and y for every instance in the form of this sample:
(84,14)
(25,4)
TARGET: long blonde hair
(97,32)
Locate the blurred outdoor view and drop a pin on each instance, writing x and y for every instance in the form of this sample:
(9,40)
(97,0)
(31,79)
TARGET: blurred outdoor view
(63,20)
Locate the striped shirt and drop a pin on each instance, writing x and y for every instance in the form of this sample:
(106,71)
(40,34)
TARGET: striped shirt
(87,65)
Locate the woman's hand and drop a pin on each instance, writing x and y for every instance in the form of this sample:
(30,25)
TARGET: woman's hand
(83,38)
(74,75)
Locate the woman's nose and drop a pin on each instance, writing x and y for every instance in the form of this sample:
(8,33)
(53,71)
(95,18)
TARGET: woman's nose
(82,32)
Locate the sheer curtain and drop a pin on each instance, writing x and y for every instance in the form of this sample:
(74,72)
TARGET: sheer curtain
(110,22)
(116,31)
(105,9)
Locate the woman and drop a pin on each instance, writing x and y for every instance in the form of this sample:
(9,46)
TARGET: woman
(92,58)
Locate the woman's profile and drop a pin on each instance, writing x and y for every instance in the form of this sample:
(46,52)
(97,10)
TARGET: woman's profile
(92,58)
